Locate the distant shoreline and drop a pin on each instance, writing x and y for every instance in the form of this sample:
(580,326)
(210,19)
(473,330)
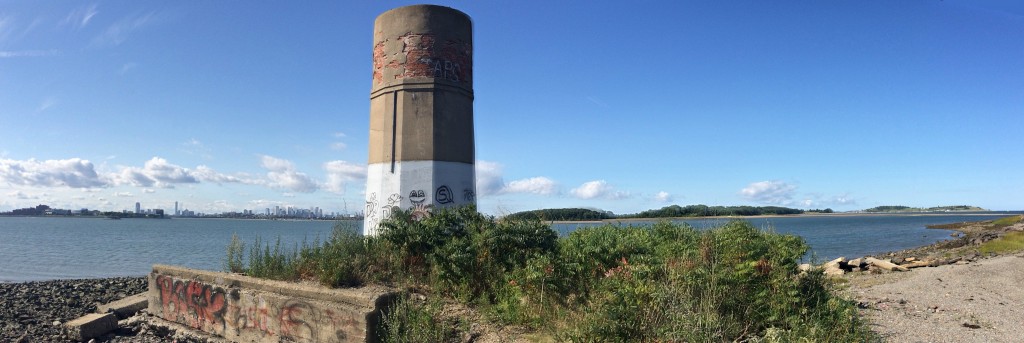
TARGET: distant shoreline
(855,214)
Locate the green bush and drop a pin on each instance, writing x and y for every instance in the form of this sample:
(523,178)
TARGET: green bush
(666,282)
(732,283)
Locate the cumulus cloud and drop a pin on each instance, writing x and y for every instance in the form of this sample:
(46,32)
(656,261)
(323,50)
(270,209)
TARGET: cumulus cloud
(207,174)
(597,189)
(489,181)
(156,172)
(341,172)
(535,185)
(770,192)
(282,174)
(663,196)
(73,172)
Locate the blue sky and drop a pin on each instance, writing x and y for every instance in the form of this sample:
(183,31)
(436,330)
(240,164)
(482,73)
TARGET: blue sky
(621,106)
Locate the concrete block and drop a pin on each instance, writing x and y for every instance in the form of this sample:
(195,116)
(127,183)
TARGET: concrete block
(126,307)
(91,326)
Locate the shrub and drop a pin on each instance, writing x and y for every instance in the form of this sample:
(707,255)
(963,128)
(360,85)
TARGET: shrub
(236,251)
(407,321)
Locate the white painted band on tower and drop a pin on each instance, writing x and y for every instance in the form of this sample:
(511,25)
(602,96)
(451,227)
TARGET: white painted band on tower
(422,152)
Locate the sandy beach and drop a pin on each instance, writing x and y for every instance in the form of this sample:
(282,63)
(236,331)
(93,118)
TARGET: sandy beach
(978,301)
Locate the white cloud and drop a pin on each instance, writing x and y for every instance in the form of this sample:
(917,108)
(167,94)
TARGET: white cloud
(341,172)
(339,135)
(338,146)
(663,196)
(148,190)
(536,185)
(73,172)
(119,32)
(123,194)
(207,174)
(195,147)
(81,17)
(592,189)
(282,174)
(488,178)
(770,192)
(156,172)
(27,53)
(489,181)
(46,104)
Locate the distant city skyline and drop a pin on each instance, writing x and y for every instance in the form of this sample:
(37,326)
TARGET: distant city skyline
(619,106)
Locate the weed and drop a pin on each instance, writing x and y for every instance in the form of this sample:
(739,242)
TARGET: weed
(1011,242)
(1007,221)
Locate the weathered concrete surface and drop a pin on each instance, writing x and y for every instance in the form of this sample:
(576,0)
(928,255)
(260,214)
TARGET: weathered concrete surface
(246,309)
(126,307)
(91,326)
(421,142)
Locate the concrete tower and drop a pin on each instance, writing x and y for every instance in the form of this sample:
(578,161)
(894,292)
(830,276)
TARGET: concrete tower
(421,113)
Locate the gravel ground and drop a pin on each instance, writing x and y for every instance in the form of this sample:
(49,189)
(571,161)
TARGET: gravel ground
(979,301)
(36,311)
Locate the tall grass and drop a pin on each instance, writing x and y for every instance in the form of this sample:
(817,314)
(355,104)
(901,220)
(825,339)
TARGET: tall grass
(1008,243)
(668,282)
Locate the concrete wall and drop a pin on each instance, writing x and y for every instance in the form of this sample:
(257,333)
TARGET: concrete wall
(421,113)
(245,309)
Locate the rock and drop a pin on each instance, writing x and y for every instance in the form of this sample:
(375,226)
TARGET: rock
(805,267)
(835,267)
(883,264)
(910,259)
(917,264)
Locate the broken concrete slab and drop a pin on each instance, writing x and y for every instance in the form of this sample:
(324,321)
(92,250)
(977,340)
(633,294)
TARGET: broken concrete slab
(126,307)
(91,326)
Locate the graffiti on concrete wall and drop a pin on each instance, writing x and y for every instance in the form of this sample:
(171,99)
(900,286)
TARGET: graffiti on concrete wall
(421,56)
(194,304)
(209,308)
(444,195)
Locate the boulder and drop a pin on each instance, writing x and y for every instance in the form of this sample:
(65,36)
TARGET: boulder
(883,264)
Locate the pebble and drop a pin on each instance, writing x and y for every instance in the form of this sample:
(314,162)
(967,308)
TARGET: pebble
(26,308)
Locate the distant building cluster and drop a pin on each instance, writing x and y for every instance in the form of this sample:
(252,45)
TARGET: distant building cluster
(277,212)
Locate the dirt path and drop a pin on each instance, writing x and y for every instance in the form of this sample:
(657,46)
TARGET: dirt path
(981,301)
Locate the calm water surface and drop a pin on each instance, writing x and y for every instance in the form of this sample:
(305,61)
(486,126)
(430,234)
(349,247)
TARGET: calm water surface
(63,248)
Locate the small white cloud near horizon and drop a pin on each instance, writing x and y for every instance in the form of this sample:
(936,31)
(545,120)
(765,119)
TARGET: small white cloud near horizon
(283,175)
(598,189)
(535,185)
(156,172)
(769,192)
(490,181)
(72,172)
(663,196)
(340,173)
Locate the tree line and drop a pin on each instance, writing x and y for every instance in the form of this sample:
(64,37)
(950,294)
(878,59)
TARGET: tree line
(672,211)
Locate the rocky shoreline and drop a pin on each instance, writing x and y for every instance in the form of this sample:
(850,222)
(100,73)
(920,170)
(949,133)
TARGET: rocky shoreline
(962,249)
(37,311)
